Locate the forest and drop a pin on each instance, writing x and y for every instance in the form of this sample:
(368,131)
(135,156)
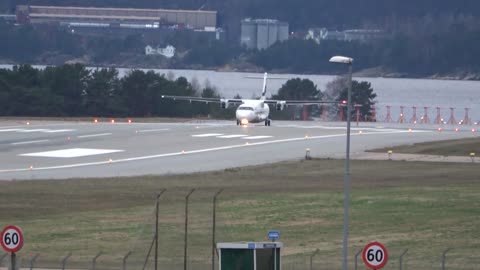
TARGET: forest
(76,91)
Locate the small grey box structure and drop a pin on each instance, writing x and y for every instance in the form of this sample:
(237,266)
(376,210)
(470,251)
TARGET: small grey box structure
(249,256)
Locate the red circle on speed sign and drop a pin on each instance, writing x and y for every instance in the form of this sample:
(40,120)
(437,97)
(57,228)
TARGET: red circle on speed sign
(12,238)
(375,255)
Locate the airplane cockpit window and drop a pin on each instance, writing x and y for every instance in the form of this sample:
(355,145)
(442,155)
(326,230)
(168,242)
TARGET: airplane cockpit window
(245,108)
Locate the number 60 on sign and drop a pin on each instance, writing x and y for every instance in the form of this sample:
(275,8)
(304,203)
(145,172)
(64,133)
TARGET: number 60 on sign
(375,255)
(12,239)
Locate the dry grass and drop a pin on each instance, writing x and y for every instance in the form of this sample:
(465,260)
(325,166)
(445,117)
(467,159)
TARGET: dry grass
(425,207)
(462,147)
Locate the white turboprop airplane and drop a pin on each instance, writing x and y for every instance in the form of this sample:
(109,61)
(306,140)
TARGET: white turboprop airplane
(252,110)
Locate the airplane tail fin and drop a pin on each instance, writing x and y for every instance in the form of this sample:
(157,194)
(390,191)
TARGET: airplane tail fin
(264,89)
(265,78)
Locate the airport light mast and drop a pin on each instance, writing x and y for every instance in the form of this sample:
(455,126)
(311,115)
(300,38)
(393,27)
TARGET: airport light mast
(346,180)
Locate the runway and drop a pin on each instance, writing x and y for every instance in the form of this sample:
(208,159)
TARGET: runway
(61,150)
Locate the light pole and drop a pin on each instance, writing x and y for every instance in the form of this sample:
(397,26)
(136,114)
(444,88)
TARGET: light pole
(346,180)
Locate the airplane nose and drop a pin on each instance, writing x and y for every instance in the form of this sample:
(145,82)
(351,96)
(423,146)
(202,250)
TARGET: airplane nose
(242,114)
(245,115)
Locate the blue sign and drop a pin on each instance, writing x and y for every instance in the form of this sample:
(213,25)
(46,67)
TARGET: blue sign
(273,235)
(251,245)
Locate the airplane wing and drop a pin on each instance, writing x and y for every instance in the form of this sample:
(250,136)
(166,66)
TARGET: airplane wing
(281,104)
(204,100)
(299,102)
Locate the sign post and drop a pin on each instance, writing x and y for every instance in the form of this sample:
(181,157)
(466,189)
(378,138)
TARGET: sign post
(375,255)
(273,235)
(12,241)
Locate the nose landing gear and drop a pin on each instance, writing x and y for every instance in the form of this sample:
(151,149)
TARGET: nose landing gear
(267,122)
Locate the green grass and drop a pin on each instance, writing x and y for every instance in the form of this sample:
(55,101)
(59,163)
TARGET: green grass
(461,147)
(425,207)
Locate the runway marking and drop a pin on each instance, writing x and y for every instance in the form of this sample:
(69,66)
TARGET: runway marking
(194,152)
(59,130)
(153,130)
(94,135)
(9,130)
(232,136)
(35,130)
(32,130)
(336,128)
(256,137)
(73,152)
(29,142)
(207,135)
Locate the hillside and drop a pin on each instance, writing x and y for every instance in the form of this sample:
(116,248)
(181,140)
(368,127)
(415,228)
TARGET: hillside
(425,38)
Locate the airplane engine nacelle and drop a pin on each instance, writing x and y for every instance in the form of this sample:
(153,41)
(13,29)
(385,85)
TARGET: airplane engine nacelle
(280,105)
(224,103)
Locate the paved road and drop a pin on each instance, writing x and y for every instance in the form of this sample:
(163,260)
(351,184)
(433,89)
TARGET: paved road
(59,150)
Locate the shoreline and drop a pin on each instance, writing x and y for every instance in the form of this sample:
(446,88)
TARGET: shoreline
(376,72)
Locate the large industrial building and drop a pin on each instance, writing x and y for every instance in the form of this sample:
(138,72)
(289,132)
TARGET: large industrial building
(262,33)
(194,19)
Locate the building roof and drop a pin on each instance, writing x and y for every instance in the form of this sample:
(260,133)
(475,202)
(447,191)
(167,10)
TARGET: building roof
(124,9)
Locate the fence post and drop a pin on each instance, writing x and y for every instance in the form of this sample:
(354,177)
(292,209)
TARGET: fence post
(94,261)
(444,255)
(124,265)
(186,230)
(214,221)
(64,260)
(157,205)
(401,258)
(32,261)
(148,254)
(356,258)
(311,258)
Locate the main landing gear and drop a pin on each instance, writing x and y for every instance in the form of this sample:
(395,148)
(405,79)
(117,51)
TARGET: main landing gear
(238,122)
(267,122)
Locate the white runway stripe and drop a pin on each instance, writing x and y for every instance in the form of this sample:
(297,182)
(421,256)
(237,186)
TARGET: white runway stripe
(73,152)
(9,130)
(58,130)
(153,130)
(232,136)
(94,135)
(207,135)
(29,142)
(256,137)
(33,130)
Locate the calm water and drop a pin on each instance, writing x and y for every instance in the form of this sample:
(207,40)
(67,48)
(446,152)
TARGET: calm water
(393,92)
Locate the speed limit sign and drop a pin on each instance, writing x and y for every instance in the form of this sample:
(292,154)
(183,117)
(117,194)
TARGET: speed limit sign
(375,255)
(12,239)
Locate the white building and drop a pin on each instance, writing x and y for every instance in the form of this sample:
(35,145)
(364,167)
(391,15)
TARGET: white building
(362,35)
(168,51)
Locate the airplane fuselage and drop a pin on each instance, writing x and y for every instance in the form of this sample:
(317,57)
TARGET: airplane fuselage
(252,111)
